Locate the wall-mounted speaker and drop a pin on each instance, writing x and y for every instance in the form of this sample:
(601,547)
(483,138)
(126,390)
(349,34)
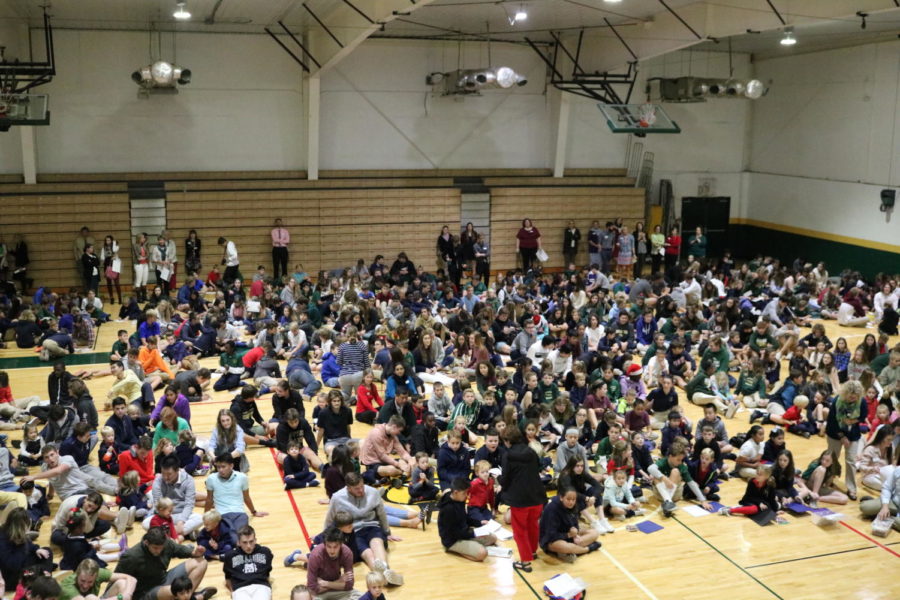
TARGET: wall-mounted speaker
(888,197)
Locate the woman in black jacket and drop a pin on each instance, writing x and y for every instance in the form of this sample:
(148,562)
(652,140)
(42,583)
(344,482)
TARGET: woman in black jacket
(524,493)
(559,531)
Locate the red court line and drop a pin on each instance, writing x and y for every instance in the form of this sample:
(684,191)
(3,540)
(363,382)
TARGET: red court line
(882,546)
(293,502)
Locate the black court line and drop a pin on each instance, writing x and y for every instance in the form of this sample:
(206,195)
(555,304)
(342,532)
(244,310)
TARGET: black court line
(723,555)
(790,560)
(533,591)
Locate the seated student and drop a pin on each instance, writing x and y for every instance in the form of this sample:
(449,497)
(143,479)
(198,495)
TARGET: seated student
(482,493)
(296,469)
(585,431)
(492,450)
(700,388)
(705,470)
(605,446)
(424,436)
(379,449)
(162,518)
(637,419)
(759,495)
(329,571)
(107,452)
(455,524)
(87,580)
(750,454)
(76,547)
(453,460)
(375,584)
(681,363)
(618,499)
(788,487)
(670,477)
(819,477)
(675,428)
(399,405)
(247,568)
(38,507)
(661,400)
(487,412)
(560,531)
(712,419)
(246,412)
(215,536)
(233,366)
(885,506)
(571,448)
(368,401)
(421,481)
(190,456)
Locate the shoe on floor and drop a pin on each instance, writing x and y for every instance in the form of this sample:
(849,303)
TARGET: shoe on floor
(566,558)
(121,520)
(206,593)
(732,408)
(393,577)
(668,508)
(292,557)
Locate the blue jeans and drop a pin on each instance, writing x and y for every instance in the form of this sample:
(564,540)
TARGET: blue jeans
(301,378)
(235,522)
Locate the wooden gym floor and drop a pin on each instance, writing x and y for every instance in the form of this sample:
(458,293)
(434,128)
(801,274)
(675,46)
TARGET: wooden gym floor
(691,557)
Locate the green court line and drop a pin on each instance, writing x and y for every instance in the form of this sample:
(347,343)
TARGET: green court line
(720,553)
(533,591)
(27,362)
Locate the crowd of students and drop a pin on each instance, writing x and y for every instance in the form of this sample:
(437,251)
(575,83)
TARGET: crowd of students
(474,396)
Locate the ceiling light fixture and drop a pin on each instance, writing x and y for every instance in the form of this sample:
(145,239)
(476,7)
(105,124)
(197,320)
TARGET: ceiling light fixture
(181,13)
(788,39)
(612,1)
(521,15)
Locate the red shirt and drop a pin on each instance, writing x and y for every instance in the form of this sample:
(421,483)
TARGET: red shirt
(673,244)
(367,398)
(129,461)
(528,239)
(166,523)
(253,356)
(481,494)
(256,288)
(5,395)
(792,414)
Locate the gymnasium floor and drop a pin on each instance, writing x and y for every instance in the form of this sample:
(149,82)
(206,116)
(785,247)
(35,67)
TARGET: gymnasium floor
(691,557)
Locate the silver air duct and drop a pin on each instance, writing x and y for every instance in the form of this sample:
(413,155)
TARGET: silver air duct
(161,77)
(472,81)
(698,89)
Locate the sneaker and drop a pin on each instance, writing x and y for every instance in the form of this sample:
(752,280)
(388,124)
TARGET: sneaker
(725,511)
(32,535)
(121,520)
(668,508)
(292,557)
(267,442)
(599,527)
(566,558)
(314,483)
(755,415)
(593,546)
(732,408)
(609,528)
(206,593)
(640,512)
(396,483)
(123,543)
(379,565)
(427,512)
(393,577)
(713,497)
(16,444)
(619,518)
(132,515)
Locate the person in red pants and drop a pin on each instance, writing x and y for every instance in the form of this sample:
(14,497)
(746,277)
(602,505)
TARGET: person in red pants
(759,496)
(524,493)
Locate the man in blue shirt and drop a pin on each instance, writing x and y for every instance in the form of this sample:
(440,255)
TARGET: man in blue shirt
(228,491)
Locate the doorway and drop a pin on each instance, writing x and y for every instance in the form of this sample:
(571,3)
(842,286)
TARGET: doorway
(712,215)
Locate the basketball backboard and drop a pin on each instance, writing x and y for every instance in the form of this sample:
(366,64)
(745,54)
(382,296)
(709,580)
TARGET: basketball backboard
(639,119)
(23,109)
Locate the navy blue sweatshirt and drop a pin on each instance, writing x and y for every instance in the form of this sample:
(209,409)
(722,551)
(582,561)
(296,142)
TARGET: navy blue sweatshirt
(452,464)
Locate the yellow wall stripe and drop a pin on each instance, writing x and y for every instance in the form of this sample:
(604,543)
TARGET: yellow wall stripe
(831,237)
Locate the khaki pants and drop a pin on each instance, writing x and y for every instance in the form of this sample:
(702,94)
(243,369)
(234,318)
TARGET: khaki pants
(51,350)
(471,548)
(14,498)
(871,508)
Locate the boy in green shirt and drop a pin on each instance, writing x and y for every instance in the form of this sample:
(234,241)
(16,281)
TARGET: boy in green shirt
(120,347)
(87,580)
(547,389)
(670,475)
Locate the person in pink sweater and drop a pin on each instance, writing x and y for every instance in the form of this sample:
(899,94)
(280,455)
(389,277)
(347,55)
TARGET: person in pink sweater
(382,451)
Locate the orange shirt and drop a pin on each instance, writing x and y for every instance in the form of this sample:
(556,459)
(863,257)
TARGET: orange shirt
(152,360)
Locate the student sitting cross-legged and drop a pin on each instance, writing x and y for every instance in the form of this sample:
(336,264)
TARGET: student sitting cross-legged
(455,524)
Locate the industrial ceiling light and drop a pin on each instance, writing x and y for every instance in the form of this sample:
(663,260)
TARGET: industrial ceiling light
(161,76)
(521,15)
(472,81)
(788,39)
(612,1)
(181,13)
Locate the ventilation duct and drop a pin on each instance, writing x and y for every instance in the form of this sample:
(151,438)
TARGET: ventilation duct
(472,81)
(698,89)
(161,77)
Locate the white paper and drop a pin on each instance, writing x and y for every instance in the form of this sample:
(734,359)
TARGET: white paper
(487,529)
(563,586)
(253,306)
(695,511)
(165,274)
(117,265)
(499,551)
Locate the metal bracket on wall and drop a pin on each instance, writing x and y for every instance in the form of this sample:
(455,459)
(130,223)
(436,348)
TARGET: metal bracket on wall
(596,85)
(290,52)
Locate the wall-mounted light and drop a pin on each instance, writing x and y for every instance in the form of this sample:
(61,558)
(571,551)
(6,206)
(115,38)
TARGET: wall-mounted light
(181,13)
(788,39)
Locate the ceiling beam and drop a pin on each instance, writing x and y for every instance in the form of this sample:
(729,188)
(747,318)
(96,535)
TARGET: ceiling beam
(352,22)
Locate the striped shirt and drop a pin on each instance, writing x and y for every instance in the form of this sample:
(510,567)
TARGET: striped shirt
(353,357)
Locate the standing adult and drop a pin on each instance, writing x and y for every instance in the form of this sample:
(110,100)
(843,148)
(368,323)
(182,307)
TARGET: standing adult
(697,244)
(641,248)
(625,257)
(446,251)
(467,245)
(140,254)
(607,243)
(20,273)
(673,247)
(112,266)
(482,258)
(524,492)
(842,429)
(281,238)
(571,239)
(353,358)
(81,242)
(594,233)
(90,269)
(172,255)
(657,248)
(192,247)
(230,260)
(162,264)
(148,562)
(528,242)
